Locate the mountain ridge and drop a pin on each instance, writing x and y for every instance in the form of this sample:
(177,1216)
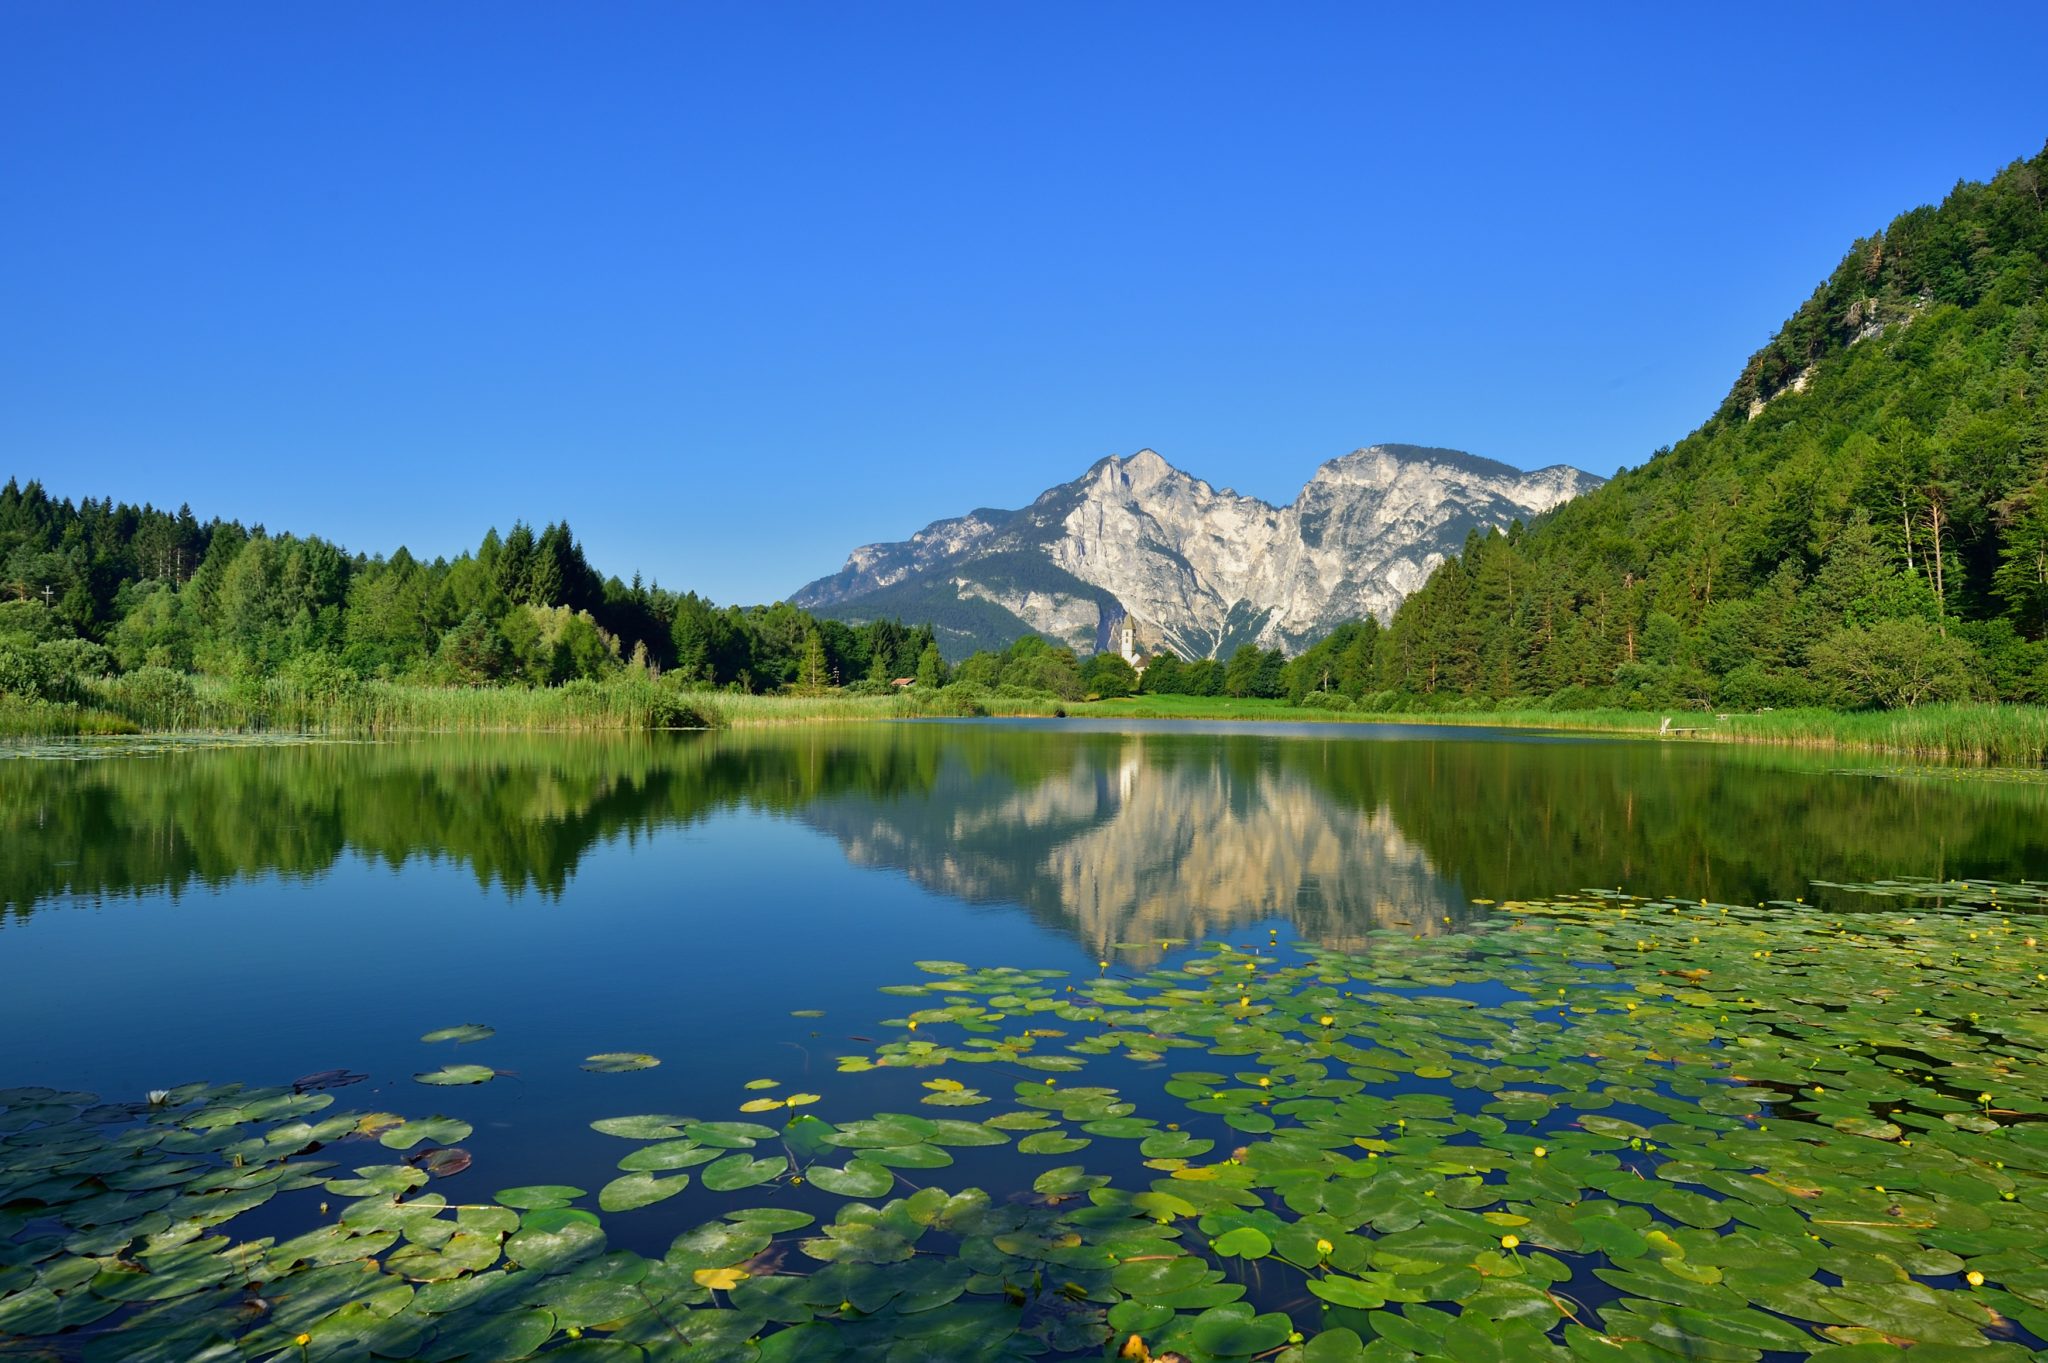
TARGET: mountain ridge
(1195,568)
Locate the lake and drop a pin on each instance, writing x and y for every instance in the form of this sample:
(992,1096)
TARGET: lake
(731,905)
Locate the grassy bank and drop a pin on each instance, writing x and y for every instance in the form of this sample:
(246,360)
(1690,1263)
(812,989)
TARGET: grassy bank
(2010,735)
(175,703)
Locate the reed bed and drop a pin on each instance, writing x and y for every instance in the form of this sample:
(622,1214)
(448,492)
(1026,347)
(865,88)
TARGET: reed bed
(156,701)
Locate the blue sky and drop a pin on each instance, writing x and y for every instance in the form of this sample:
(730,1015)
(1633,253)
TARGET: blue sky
(737,287)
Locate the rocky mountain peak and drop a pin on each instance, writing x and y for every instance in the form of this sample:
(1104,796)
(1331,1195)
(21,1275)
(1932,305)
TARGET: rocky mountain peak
(1198,570)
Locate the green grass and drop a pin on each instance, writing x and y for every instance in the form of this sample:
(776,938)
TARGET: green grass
(2010,735)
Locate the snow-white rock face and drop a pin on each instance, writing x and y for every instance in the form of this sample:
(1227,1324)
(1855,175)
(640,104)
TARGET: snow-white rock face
(1197,569)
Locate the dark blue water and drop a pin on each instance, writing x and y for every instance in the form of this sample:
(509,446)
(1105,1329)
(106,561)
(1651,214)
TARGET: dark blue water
(260,913)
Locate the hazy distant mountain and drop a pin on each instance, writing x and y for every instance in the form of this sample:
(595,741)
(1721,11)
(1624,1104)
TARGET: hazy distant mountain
(1197,569)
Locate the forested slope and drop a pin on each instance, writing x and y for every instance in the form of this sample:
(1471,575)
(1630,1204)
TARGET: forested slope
(96,587)
(1864,521)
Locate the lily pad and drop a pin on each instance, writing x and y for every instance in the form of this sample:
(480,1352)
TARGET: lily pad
(619,1062)
(462,1033)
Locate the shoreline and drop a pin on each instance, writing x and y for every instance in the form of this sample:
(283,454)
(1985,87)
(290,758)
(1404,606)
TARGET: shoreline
(1971,734)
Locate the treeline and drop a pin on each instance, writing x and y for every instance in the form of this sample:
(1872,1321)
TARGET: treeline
(1863,523)
(100,588)
(1339,668)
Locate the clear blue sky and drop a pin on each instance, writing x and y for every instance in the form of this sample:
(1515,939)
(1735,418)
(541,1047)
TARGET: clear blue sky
(736,287)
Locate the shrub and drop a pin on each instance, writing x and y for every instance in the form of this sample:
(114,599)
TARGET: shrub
(1893,664)
(23,673)
(156,697)
(78,659)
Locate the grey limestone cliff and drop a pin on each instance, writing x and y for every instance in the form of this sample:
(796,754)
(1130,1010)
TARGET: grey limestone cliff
(1197,569)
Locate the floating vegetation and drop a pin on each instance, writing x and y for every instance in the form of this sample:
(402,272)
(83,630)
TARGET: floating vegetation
(2024,776)
(323,1080)
(93,747)
(458,1074)
(2026,896)
(1599,1128)
(463,1034)
(619,1062)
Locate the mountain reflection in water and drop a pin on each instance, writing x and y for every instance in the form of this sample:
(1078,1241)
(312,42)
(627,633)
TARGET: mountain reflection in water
(1117,835)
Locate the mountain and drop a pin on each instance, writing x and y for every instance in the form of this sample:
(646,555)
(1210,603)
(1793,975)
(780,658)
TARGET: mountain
(1195,569)
(1863,521)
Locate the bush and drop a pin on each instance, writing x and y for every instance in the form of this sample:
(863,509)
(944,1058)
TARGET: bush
(1893,664)
(1755,687)
(29,621)
(156,697)
(673,708)
(1325,700)
(76,660)
(1577,697)
(23,673)
(962,699)
(320,678)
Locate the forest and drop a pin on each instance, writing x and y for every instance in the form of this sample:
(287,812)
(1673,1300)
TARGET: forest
(1862,524)
(100,587)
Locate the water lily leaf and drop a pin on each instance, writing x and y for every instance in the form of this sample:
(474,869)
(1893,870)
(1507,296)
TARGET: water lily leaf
(1159,1274)
(738,1171)
(458,1074)
(619,1062)
(964,1134)
(378,1180)
(860,1178)
(440,1130)
(1342,1291)
(1050,1143)
(1234,1332)
(439,1161)
(1246,1242)
(668,1155)
(717,1245)
(639,1190)
(461,1034)
(729,1135)
(500,1337)
(563,1243)
(538,1196)
(775,1220)
(909,1157)
(644,1127)
(322,1080)
(1067,1180)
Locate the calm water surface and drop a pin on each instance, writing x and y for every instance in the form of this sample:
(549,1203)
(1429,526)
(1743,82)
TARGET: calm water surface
(259,913)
